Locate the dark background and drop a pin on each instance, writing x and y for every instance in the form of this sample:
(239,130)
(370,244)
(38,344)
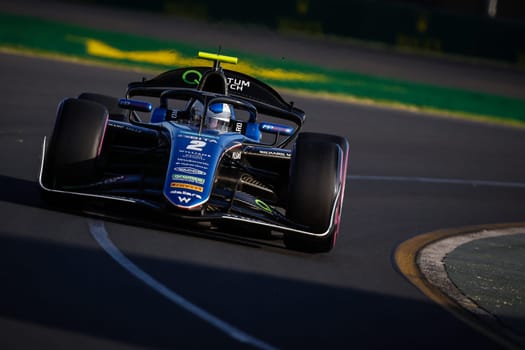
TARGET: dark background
(468,28)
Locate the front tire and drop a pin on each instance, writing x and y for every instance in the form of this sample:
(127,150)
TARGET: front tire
(75,144)
(315,183)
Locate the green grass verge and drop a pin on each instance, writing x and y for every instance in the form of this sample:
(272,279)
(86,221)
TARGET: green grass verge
(66,40)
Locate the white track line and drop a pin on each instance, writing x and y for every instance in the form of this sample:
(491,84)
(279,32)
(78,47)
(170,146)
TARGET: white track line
(99,233)
(437,181)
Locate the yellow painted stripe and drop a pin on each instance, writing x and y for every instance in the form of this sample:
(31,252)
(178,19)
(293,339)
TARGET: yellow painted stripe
(173,58)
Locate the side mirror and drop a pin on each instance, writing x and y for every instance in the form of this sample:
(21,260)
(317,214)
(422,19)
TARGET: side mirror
(135,105)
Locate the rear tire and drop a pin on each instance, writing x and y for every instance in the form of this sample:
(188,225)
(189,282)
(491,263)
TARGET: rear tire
(314,183)
(75,144)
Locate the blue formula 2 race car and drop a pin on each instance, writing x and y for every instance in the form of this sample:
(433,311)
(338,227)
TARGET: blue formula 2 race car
(205,144)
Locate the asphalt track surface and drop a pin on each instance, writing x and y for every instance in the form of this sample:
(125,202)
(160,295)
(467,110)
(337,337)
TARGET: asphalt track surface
(60,289)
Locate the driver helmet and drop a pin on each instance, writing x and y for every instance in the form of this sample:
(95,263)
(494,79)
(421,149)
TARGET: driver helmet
(218,117)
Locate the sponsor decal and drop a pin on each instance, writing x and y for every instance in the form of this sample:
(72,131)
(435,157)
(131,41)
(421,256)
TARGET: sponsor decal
(187,178)
(196,156)
(236,155)
(112,180)
(192,163)
(186,194)
(240,127)
(246,219)
(127,128)
(109,181)
(189,170)
(237,84)
(274,153)
(192,77)
(263,206)
(209,138)
(194,149)
(186,186)
(184,200)
(285,130)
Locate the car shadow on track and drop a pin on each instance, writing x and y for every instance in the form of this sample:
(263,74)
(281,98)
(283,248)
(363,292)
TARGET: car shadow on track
(20,191)
(80,291)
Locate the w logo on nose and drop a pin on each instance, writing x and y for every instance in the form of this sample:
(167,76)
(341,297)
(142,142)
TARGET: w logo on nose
(184,200)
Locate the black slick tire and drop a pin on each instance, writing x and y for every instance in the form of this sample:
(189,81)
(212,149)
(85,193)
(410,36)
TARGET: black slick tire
(75,144)
(314,185)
